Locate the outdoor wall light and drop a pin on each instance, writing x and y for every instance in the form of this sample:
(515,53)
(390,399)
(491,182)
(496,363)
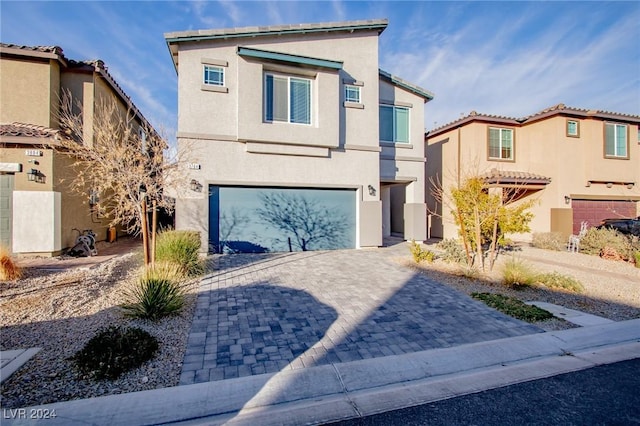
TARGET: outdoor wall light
(609,184)
(34,175)
(630,185)
(372,191)
(567,199)
(195,186)
(32,161)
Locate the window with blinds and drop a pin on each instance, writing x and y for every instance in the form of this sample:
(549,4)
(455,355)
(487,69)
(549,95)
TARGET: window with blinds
(287,99)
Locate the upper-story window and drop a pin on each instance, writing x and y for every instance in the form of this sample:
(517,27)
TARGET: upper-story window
(616,141)
(287,99)
(394,124)
(213,75)
(501,145)
(143,139)
(352,93)
(573,128)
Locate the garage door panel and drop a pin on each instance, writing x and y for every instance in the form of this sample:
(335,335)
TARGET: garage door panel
(593,211)
(258,220)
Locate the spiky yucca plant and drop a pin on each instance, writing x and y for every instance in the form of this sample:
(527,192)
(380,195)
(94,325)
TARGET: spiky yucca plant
(157,293)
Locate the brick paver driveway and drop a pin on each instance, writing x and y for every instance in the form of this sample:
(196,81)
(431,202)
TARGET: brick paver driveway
(265,313)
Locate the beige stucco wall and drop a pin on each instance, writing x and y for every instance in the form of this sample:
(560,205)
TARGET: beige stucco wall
(26,91)
(76,212)
(405,163)
(226,134)
(542,148)
(45,166)
(238,114)
(227,162)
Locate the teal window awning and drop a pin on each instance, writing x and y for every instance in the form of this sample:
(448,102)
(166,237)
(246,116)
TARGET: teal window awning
(289,58)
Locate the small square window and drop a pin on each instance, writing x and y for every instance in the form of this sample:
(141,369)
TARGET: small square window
(573,128)
(352,94)
(213,75)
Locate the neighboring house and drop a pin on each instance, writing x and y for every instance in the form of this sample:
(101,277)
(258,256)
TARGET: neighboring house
(37,210)
(582,165)
(297,140)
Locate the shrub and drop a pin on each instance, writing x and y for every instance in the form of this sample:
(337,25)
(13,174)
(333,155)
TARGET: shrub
(420,255)
(114,351)
(156,294)
(9,271)
(453,251)
(549,241)
(636,256)
(557,280)
(517,273)
(469,271)
(595,240)
(181,248)
(513,307)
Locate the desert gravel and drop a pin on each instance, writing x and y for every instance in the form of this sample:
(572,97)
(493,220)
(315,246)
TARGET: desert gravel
(61,311)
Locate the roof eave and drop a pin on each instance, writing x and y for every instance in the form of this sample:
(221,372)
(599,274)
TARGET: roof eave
(397,81)
(351,26)
(4,50)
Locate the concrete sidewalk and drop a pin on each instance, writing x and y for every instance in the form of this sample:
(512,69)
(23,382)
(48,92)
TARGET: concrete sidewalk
(338,391)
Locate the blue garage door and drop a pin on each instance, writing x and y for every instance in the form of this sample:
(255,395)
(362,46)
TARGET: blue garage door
(259,220)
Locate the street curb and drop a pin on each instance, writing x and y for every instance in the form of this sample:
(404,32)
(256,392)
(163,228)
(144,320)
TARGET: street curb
(339,391)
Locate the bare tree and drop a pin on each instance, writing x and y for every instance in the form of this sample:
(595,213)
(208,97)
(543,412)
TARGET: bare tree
(309,222)
(231,221)
(122,162)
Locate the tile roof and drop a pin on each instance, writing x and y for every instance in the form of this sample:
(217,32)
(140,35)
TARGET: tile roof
(27,130)
(550,111)
(513,176)
(45,49)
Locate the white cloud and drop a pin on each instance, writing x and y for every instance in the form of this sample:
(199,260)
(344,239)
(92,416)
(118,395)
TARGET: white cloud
(233,11)
(518,68)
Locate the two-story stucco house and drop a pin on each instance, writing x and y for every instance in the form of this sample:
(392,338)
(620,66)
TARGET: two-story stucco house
(297,140)
(581,165)
(38,212)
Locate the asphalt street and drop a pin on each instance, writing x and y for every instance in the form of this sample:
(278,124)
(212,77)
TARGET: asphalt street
(604,395)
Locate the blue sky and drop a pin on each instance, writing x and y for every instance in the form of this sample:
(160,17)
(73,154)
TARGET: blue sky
(504,58)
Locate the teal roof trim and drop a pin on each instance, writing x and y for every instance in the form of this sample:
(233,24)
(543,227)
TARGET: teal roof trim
(428,96)
(286,57)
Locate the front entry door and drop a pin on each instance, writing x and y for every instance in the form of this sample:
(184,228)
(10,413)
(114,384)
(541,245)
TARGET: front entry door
(6,197)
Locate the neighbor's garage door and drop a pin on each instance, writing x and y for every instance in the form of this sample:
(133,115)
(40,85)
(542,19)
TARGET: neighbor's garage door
(594,211)
(257,220)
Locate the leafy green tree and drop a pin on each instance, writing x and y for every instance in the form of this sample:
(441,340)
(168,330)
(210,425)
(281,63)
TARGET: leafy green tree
(484,217)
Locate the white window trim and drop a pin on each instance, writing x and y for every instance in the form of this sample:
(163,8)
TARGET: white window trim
(288,77)
(577,133)
(204,75)
(615,145)
(513,144)
(347,87)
